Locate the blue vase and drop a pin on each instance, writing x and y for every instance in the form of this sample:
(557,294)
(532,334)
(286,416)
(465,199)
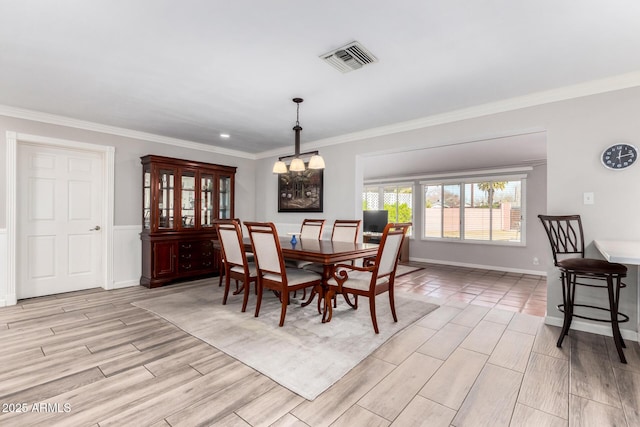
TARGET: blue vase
(294,240)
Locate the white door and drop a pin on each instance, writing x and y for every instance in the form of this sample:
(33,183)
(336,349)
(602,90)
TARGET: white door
(59,220)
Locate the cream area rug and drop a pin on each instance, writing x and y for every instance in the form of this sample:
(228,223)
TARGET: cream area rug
(305,355)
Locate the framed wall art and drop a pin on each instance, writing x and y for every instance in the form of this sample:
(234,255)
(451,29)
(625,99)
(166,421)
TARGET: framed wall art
(300,191)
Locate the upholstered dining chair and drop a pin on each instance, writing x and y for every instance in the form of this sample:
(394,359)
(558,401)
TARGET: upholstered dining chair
(344,230)
(235,261)
(312,229)
(272,273)
(566,237)
(222,270)
(372,280)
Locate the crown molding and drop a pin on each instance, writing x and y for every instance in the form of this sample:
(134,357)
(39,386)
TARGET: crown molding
(21,113)
(594,87)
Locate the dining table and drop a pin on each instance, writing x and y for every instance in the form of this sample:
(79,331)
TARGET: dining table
(328,253)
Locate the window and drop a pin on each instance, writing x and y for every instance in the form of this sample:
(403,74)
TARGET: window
(397,199)
(478,209)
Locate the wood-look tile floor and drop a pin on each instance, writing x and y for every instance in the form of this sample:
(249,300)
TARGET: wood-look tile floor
(483,358)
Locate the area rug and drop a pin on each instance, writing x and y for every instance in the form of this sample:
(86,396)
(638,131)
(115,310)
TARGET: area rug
(305,355)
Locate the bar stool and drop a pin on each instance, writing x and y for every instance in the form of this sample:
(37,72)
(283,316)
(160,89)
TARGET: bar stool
(567,240)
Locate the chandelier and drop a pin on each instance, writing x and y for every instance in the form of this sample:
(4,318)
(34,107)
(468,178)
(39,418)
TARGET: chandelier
(297,164)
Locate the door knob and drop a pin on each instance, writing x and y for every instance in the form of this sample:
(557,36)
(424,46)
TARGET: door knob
(96,228)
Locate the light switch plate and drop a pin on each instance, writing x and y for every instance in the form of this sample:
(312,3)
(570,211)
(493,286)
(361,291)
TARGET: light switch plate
(588,198)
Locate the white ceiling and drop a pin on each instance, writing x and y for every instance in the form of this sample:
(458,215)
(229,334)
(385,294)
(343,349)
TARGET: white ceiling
(191,69)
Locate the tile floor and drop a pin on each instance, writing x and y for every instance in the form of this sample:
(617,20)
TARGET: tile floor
(516,292)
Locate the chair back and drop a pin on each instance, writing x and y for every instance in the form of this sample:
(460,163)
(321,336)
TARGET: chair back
(230,237)
(266,247)
(312,229)
(565,235)
(345,230)
(389,250)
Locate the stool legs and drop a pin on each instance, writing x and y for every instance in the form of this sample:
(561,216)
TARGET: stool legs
(568,289)
(614,295)
(568,279)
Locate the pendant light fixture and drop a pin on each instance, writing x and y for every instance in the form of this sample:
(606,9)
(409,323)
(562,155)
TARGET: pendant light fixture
(297,164)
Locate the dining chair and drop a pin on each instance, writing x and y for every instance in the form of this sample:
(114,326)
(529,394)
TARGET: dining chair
(372,280)
(272,273)
(222,270)
(566,237)
(312,229)
(344,230)
(236,264)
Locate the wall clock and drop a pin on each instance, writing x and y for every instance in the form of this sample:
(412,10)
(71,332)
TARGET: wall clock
(619,156)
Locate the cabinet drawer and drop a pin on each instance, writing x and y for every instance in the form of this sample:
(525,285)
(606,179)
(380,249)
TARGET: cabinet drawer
(195,255)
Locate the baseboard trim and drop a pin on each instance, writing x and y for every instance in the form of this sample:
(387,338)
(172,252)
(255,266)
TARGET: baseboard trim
(125,284)
(484,267)
(604,329)
(9,300)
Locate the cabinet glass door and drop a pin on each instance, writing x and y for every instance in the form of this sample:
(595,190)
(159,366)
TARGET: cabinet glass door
(165,198)
(146,199)
(225,197)
(207,198)
(188,202)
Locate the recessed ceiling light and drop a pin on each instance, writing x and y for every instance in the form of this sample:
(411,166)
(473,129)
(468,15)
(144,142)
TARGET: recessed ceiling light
(224,135)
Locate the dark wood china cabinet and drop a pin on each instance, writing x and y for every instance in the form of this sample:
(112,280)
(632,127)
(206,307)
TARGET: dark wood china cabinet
(180,201)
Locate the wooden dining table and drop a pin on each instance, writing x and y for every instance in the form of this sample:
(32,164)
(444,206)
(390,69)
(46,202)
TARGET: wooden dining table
(325,252)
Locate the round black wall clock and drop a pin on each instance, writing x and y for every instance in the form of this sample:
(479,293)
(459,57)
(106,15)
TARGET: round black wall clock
(619,156)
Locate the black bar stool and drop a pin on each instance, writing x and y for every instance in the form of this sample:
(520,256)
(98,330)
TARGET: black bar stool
(567,242)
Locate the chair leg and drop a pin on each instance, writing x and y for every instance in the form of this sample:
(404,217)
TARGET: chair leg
(221,276)
(258,298)
(392,303)
(238,288)
(372,309)
(567,304)
(247,288)
(285,302)
(227,284)
(613,308)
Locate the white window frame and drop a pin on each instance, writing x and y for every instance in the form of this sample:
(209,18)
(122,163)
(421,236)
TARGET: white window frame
(382,185)
(461,181)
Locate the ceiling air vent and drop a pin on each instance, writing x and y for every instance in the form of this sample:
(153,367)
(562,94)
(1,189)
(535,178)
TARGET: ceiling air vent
(349,57)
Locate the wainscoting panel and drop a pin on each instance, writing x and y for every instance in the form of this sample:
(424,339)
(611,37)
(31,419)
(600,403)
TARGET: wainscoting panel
(3,267)
(127,256)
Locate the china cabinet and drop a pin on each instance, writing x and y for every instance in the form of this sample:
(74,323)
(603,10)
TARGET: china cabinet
(181,199)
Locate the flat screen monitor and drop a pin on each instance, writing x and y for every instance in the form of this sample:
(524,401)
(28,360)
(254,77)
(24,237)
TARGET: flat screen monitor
(374,221)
